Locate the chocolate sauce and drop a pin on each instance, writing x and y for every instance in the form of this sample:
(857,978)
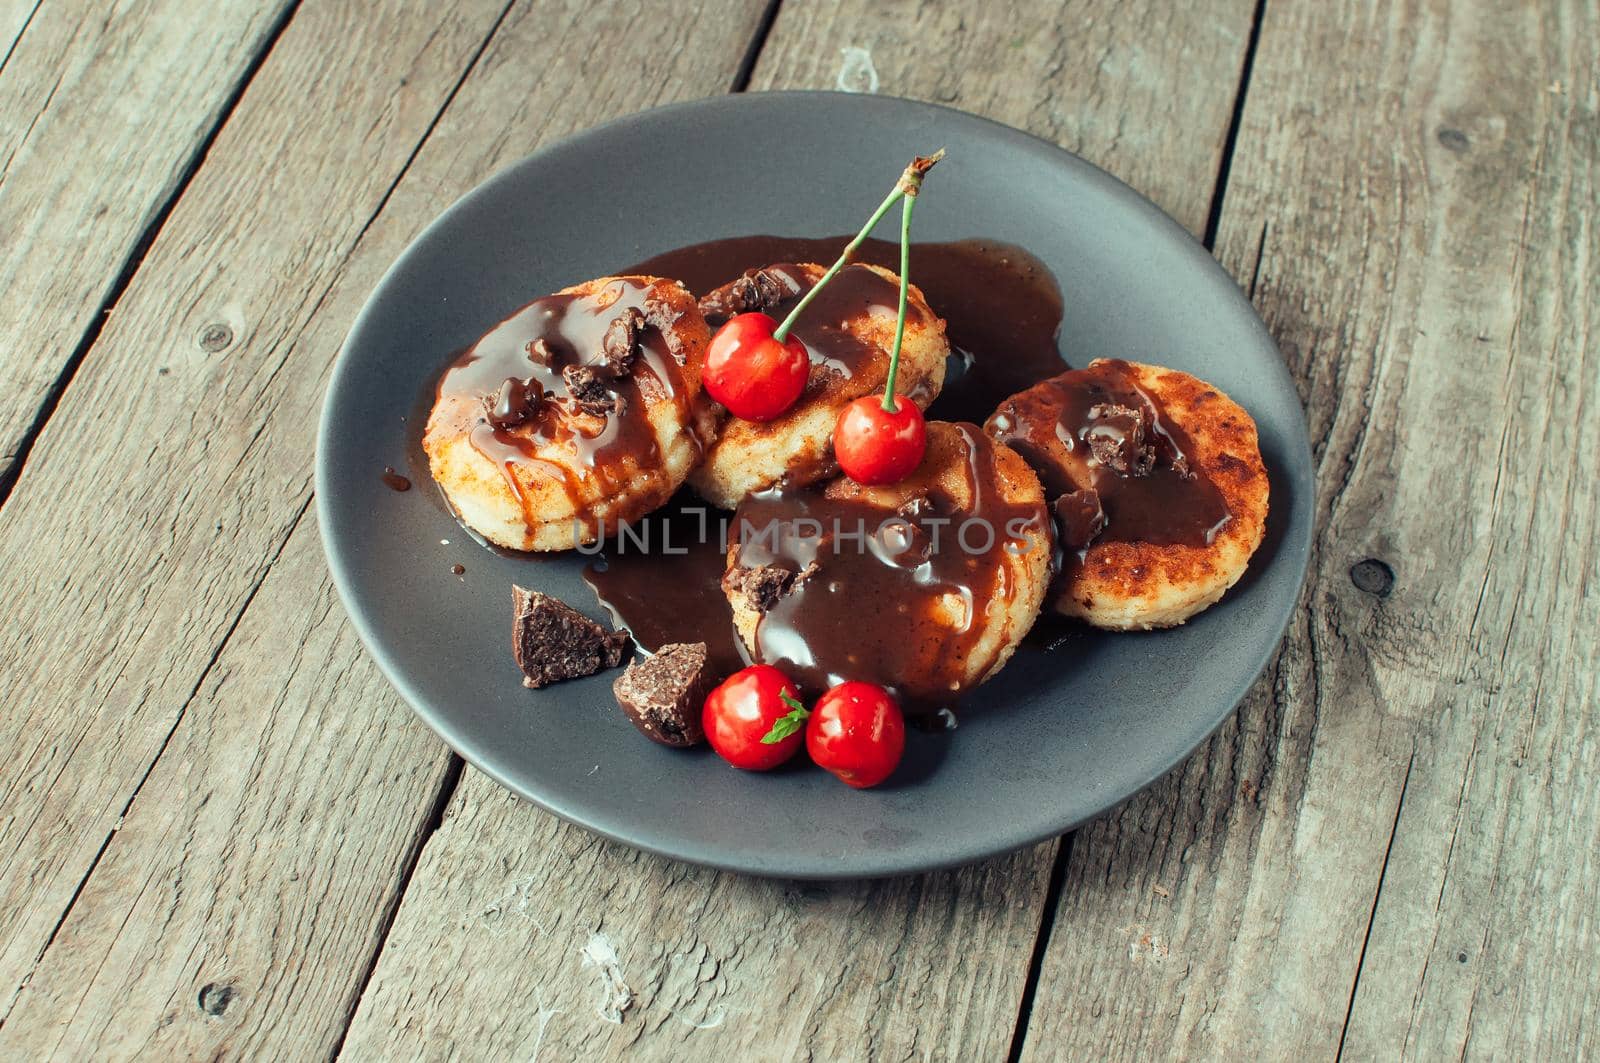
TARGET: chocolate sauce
(899,604)
(1055,426)
(1003,311)
(822,328)
(661,580)
(1002,306)
(519,385)
(394,481)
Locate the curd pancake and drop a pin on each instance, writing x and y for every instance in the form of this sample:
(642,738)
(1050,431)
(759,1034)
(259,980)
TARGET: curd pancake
(924,587)
(848,330)
(580,411)
(1156,483)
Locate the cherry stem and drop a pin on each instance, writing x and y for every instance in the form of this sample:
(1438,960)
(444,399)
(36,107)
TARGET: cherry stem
(908,185)
(889,405)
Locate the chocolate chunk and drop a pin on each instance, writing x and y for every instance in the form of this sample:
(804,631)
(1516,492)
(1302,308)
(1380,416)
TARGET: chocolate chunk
(1117,438)
(763,289)
(660,315)
(588,391)
(541,354)
(617,347)
(515,402)
(553,641)
(1079,518)
(742,296)
(757,289)
(665,694)
(760,587)
(906,542)
(918,507)
(583,383)
(807,471)
(911,544)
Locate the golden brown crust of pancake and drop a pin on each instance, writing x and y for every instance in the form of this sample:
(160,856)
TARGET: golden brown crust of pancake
(569,503)
(1126,586)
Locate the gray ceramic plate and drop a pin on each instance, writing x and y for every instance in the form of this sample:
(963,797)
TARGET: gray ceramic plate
(1057,738)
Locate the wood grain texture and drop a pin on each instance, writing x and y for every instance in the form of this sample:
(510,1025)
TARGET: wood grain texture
(512,955)
(218,422)
(1485,931)
(155,498)
(1391,850)
(1144,90)
(14,18)
(524,937)
(234,909)
(1411,202)
(101,112)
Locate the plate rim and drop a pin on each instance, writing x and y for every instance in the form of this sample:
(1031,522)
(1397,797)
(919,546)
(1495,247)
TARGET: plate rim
(1295,549)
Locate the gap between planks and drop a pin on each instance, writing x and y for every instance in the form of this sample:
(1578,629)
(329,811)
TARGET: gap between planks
(177,721)
(758,41)
(132,263)
(441,803)
(8,477)
(1220,188)
(1041,943)
(141,246)
(1383,872)
(452,777)
(453,774)
(1058,871)
(21,32)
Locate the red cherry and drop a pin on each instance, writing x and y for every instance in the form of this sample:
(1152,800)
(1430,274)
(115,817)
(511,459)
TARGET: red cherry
(874,446)
(857,732)
(745,709)
(751,372)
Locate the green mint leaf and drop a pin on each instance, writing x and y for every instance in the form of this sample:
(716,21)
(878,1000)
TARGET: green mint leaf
(787,724)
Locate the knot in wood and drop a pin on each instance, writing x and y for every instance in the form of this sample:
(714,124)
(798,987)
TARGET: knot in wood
(1372,576)
(215,337)
(214,999)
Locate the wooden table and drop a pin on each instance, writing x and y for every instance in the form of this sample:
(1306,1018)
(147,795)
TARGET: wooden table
(223,834)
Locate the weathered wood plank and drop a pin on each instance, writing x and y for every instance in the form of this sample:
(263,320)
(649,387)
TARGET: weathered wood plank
(101,112)
(14,18)
(1485,929)
(233,912)
(521,934)
(272,266)
(1410,194)
(1142,90)
(105,650)
(514,956)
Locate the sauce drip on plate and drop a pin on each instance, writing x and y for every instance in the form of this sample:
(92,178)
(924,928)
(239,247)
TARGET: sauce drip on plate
(661,579)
